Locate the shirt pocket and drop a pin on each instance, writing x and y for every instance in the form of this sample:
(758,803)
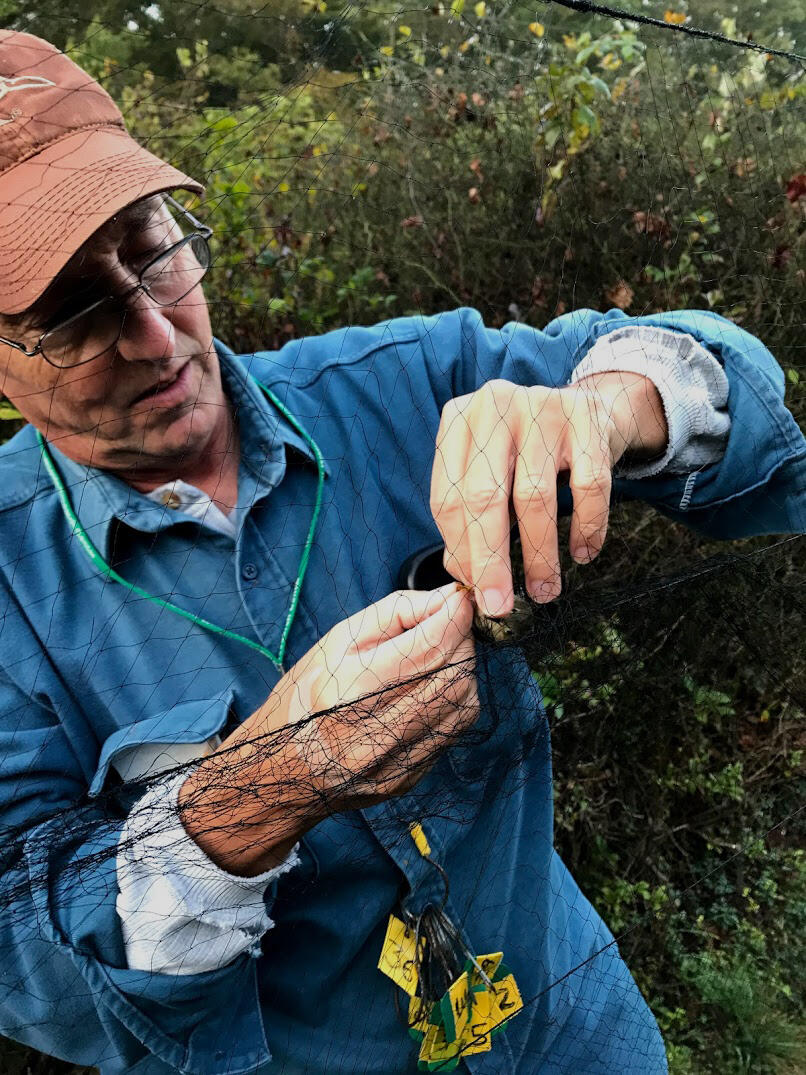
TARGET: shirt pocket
(511,720)
(167,740)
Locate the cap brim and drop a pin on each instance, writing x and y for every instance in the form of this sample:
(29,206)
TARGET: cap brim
(53,202)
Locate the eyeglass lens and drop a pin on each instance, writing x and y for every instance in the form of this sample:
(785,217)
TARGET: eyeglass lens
(167,280)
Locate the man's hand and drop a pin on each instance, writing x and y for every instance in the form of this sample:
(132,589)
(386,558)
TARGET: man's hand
(361,717)
(499,452)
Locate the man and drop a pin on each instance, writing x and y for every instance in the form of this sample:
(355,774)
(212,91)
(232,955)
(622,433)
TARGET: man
(229,748)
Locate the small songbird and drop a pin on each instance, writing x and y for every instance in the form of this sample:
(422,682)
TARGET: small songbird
(513,628)
(518,625)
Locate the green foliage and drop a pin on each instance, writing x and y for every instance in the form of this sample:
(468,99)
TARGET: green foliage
(761,1028)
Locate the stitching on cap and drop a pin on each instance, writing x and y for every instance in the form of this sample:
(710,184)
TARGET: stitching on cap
(118,125)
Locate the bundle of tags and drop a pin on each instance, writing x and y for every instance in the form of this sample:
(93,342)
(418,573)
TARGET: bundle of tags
(472,1010)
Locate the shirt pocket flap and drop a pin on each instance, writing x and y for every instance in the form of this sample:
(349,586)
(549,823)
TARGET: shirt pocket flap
(170,738)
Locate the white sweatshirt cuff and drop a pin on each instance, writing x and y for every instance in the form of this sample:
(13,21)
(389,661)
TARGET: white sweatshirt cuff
(181,913)
(692,385)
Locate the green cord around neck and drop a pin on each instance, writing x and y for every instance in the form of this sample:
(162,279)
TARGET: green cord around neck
(105,569)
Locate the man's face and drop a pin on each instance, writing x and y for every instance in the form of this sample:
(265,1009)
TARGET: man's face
(150,403)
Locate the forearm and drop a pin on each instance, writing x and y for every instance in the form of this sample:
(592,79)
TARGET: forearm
(246,805)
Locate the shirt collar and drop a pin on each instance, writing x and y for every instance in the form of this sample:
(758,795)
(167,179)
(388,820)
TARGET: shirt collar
(267,439)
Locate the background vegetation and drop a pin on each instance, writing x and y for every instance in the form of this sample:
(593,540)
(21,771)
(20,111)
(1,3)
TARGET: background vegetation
(364,163)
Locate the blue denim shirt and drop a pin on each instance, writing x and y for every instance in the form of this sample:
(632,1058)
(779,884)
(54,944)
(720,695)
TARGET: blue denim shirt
(88,669)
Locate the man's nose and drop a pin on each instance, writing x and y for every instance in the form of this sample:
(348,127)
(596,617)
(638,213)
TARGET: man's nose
(148,331)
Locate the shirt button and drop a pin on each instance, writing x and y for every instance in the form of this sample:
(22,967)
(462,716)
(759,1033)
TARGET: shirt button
(249,572)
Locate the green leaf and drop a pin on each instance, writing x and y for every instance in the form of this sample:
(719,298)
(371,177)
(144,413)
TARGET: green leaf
(582,116)
(226,123)
(553,132)
(599,85)
(583,54)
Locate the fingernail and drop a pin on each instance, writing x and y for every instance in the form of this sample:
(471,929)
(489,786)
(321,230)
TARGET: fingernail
(494,602)
(582,554)
(544,591)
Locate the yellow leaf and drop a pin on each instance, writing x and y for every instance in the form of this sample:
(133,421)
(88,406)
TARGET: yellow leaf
(404,30)
(283,188)
(537,28)
(570,41)
(445,51)
(480,9)
(387,50)
(676,18)
(466,44)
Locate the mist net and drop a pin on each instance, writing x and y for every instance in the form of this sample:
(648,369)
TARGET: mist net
(279,795)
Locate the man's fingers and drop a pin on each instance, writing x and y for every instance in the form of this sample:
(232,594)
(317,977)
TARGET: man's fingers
(471,503)
(453,445)
(534,496)
(408,633)
(393,615)
(429,643)
(591,481)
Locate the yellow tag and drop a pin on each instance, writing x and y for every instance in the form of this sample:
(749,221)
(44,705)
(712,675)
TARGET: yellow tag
(455,1006)
(489,964)
(418,1015)
(507,1000)
(397,955)
(435,1047)
(490,1012)
(420,839)
(477,1036)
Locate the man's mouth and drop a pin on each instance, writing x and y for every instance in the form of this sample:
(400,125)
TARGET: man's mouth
(168,391)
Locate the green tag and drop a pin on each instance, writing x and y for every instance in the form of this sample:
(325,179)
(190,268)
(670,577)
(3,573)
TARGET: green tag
(488,963)
(455,1007)
(436,1054)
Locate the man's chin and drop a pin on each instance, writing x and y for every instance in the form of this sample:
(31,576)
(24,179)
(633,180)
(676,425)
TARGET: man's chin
(173,436)
(157,441)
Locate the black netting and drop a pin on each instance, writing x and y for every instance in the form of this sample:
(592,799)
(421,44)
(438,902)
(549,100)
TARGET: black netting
(525,282)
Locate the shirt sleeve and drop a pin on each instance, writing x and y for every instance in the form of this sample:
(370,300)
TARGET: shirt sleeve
(65,986)
(180,913)
(692,385)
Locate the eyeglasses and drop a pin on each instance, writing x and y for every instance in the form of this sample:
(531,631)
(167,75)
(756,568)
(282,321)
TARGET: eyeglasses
(167,278)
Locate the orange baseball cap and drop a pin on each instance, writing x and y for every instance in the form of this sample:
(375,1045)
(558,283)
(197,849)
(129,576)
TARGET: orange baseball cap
(67,164)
